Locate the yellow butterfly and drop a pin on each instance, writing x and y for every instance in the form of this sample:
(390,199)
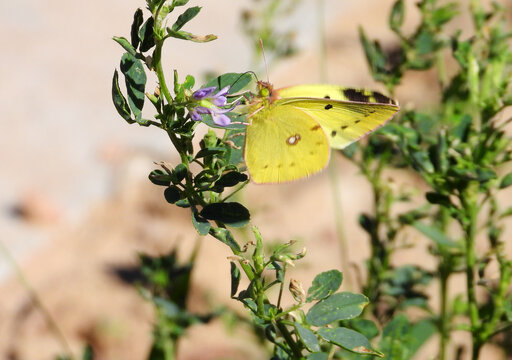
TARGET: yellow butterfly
(292,128)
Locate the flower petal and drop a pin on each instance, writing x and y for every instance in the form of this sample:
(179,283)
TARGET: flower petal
(219,100)
(221,119)
(194,115)
(223,91)
(203,93)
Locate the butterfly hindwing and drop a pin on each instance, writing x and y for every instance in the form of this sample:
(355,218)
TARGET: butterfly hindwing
(284,143)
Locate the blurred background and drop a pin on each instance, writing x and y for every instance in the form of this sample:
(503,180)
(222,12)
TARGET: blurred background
(76,205)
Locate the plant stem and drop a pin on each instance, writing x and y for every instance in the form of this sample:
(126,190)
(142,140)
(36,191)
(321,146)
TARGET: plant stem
(338,219)
(36,301)
(289,339)
(443,320)
(157,62)
(469,201)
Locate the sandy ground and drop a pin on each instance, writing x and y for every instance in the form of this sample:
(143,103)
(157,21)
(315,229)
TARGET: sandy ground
(78,174)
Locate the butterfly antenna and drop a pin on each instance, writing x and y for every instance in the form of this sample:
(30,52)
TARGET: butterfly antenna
(264,59)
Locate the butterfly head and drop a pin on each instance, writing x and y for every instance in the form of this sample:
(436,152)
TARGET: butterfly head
(266,91)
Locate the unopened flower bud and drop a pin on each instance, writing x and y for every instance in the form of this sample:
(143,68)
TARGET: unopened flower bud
(297,290)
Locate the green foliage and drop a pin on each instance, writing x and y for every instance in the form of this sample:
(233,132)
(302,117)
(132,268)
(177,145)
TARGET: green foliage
(261,22)
(459,149)
(208,194)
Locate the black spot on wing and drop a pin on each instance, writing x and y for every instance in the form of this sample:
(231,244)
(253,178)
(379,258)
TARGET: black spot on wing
(381,99)
(328,106)
(333,133)
(344,127)
(355,95)
(327,97)
(357,121)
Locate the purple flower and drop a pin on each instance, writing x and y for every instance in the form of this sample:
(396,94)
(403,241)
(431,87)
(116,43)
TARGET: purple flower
(217,114)
(208,103)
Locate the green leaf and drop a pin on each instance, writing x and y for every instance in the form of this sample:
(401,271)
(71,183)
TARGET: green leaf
(235,278)
(184,18)
(439,199)
(340,306)
(435,234)
(146,35)
(324,285)
(308,338)
(236,81)
(183,203)
(235,149)
(364,326)
(394,341)
(317,356)
(226,237)
(209,152)
(119,100)
(138,19)
(444,14)
(88,353)
(180,172)
(125,44)
(160,177)
(172,194)
(420,333)
(135,79)
(200,224)
(179,2)
(230,213)
(396,19)
(231,178)
(349,340)
(188,36)
(189,82)
(506,181)
(401,340)
(367,222)
(425,43)
(508,309)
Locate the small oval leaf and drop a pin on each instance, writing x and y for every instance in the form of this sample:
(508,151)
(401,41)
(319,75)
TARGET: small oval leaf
(324,285)
(506,181)
(349,340)
(308,337)
(172,194)
(160,177)
(340,306)
(235,278)
(226,237)
(200,224)
(119,100)
(230,213)
(135,79)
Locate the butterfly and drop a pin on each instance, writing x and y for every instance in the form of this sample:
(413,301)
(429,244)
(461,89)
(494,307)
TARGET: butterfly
(292,129)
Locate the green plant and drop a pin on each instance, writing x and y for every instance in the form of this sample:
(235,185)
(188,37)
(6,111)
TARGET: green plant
(208,192)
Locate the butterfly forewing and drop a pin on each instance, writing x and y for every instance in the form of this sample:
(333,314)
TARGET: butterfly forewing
(345,114)
(284,143)
(335,93)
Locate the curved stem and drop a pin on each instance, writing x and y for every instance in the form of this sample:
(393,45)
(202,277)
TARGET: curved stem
(157,62)
(34,297)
